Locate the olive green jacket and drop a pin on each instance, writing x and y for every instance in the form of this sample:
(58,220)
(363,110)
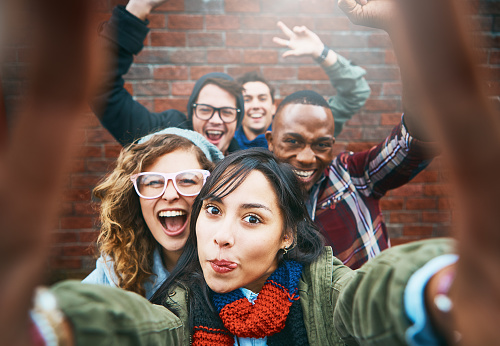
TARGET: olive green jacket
(340,306)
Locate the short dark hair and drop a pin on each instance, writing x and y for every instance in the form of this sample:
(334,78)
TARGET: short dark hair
(255,76)
(231,86)
(304,97)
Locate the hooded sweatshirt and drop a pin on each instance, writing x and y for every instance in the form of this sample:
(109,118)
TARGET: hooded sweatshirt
(126,119)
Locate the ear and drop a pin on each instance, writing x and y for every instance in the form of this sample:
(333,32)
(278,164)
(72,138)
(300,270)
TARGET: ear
(269,138)
(288,239)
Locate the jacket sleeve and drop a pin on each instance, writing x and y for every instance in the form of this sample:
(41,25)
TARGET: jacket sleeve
(370,307)
(126,119)
(352,90)
(390,164)
(101,315)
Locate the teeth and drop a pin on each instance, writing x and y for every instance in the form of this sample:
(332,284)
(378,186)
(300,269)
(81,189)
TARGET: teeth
(214,133)
(303,174)
(171,213)
(256,115)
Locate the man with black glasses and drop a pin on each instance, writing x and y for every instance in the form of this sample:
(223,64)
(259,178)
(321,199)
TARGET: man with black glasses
(215,108)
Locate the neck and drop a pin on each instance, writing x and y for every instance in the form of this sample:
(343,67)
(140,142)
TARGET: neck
(252,134)
(170,259)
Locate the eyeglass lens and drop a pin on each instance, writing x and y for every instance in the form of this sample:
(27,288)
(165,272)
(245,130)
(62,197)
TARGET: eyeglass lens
(186,183)
(205,112)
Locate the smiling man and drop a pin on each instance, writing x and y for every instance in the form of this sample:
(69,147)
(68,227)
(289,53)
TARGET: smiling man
(215,108)
(343,192)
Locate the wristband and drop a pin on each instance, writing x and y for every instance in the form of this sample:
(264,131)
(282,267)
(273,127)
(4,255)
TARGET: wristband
(323,55)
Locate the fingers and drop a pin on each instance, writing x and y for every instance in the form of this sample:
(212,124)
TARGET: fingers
(281,42)
(286,30)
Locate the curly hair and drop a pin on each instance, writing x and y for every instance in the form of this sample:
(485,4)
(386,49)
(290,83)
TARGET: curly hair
(124,236)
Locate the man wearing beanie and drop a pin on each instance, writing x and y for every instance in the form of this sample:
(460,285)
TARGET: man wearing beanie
(215,107)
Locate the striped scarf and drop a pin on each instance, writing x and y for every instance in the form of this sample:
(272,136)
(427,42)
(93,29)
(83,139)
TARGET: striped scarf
(276,314)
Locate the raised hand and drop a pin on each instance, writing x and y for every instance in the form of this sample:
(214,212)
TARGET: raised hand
(301,41)
(142,8)
(380,14)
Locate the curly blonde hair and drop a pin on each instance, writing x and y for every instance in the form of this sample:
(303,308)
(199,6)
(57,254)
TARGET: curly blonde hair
(124,236)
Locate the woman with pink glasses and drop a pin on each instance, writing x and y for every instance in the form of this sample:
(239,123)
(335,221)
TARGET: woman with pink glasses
(146,206)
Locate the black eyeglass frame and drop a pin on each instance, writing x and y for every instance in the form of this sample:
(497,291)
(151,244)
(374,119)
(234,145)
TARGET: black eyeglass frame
(215,109)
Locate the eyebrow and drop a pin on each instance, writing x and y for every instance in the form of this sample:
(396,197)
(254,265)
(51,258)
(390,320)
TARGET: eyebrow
(255,206)
(298,135)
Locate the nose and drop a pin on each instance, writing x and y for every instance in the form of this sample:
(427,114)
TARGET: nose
(306,156)
(170,193)
(224,236)
(216,118)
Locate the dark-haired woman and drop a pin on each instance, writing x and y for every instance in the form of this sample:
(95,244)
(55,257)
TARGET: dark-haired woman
(254,271)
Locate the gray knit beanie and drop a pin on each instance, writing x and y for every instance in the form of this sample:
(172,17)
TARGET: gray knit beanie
(211,151)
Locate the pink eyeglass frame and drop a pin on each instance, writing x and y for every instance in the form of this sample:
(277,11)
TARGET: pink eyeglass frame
(169,176)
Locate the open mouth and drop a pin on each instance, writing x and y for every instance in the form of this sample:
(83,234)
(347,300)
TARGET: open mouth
(173,221)
(256,115)
(304,176)
(214,135)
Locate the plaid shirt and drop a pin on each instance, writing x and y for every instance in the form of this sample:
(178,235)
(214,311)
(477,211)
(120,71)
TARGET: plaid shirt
(345,202)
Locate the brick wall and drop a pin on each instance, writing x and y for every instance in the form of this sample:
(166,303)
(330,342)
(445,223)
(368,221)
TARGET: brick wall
(189,38)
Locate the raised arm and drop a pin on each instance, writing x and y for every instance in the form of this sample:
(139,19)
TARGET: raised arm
(347,79)
(121,38)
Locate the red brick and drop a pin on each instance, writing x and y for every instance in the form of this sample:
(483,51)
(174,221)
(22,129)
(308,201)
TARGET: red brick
(351,40)
(390,119)
(241,70)
(379,41)
(392,89)
(77,166)
(421,203)
(90,121)
(363,119)
(171,72)
(390,57)
(331,24)
(391,203)
(317,7)
(138,72)
(242,6)
(171,103)
(422,231)
(152,55)
(289,6)
(260,57)
(436,190)
(156,20)
(444,203)
(101,165)
(259,22)
(98,135)
(401,241)
(185,21)
(279,73)
(112,150)
(436,216)
(182,88)
(90,151)
(66,209)
(65,263)
(170,6)
(63,237)
(219,22)
(239,39)
(291,22)
(85,209)
(403,217)
(224,56)
(426,176)
(205,39)
(381,105)
(149,88)
(361,146)
(199,71)
(350,134)
(374,133)
(89,237)
(90,181)
(168,39)
(76,222)
(312,73)
(494,57)
(188,56)
(407,190)
(74,195)
(383,73)
(76,250)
